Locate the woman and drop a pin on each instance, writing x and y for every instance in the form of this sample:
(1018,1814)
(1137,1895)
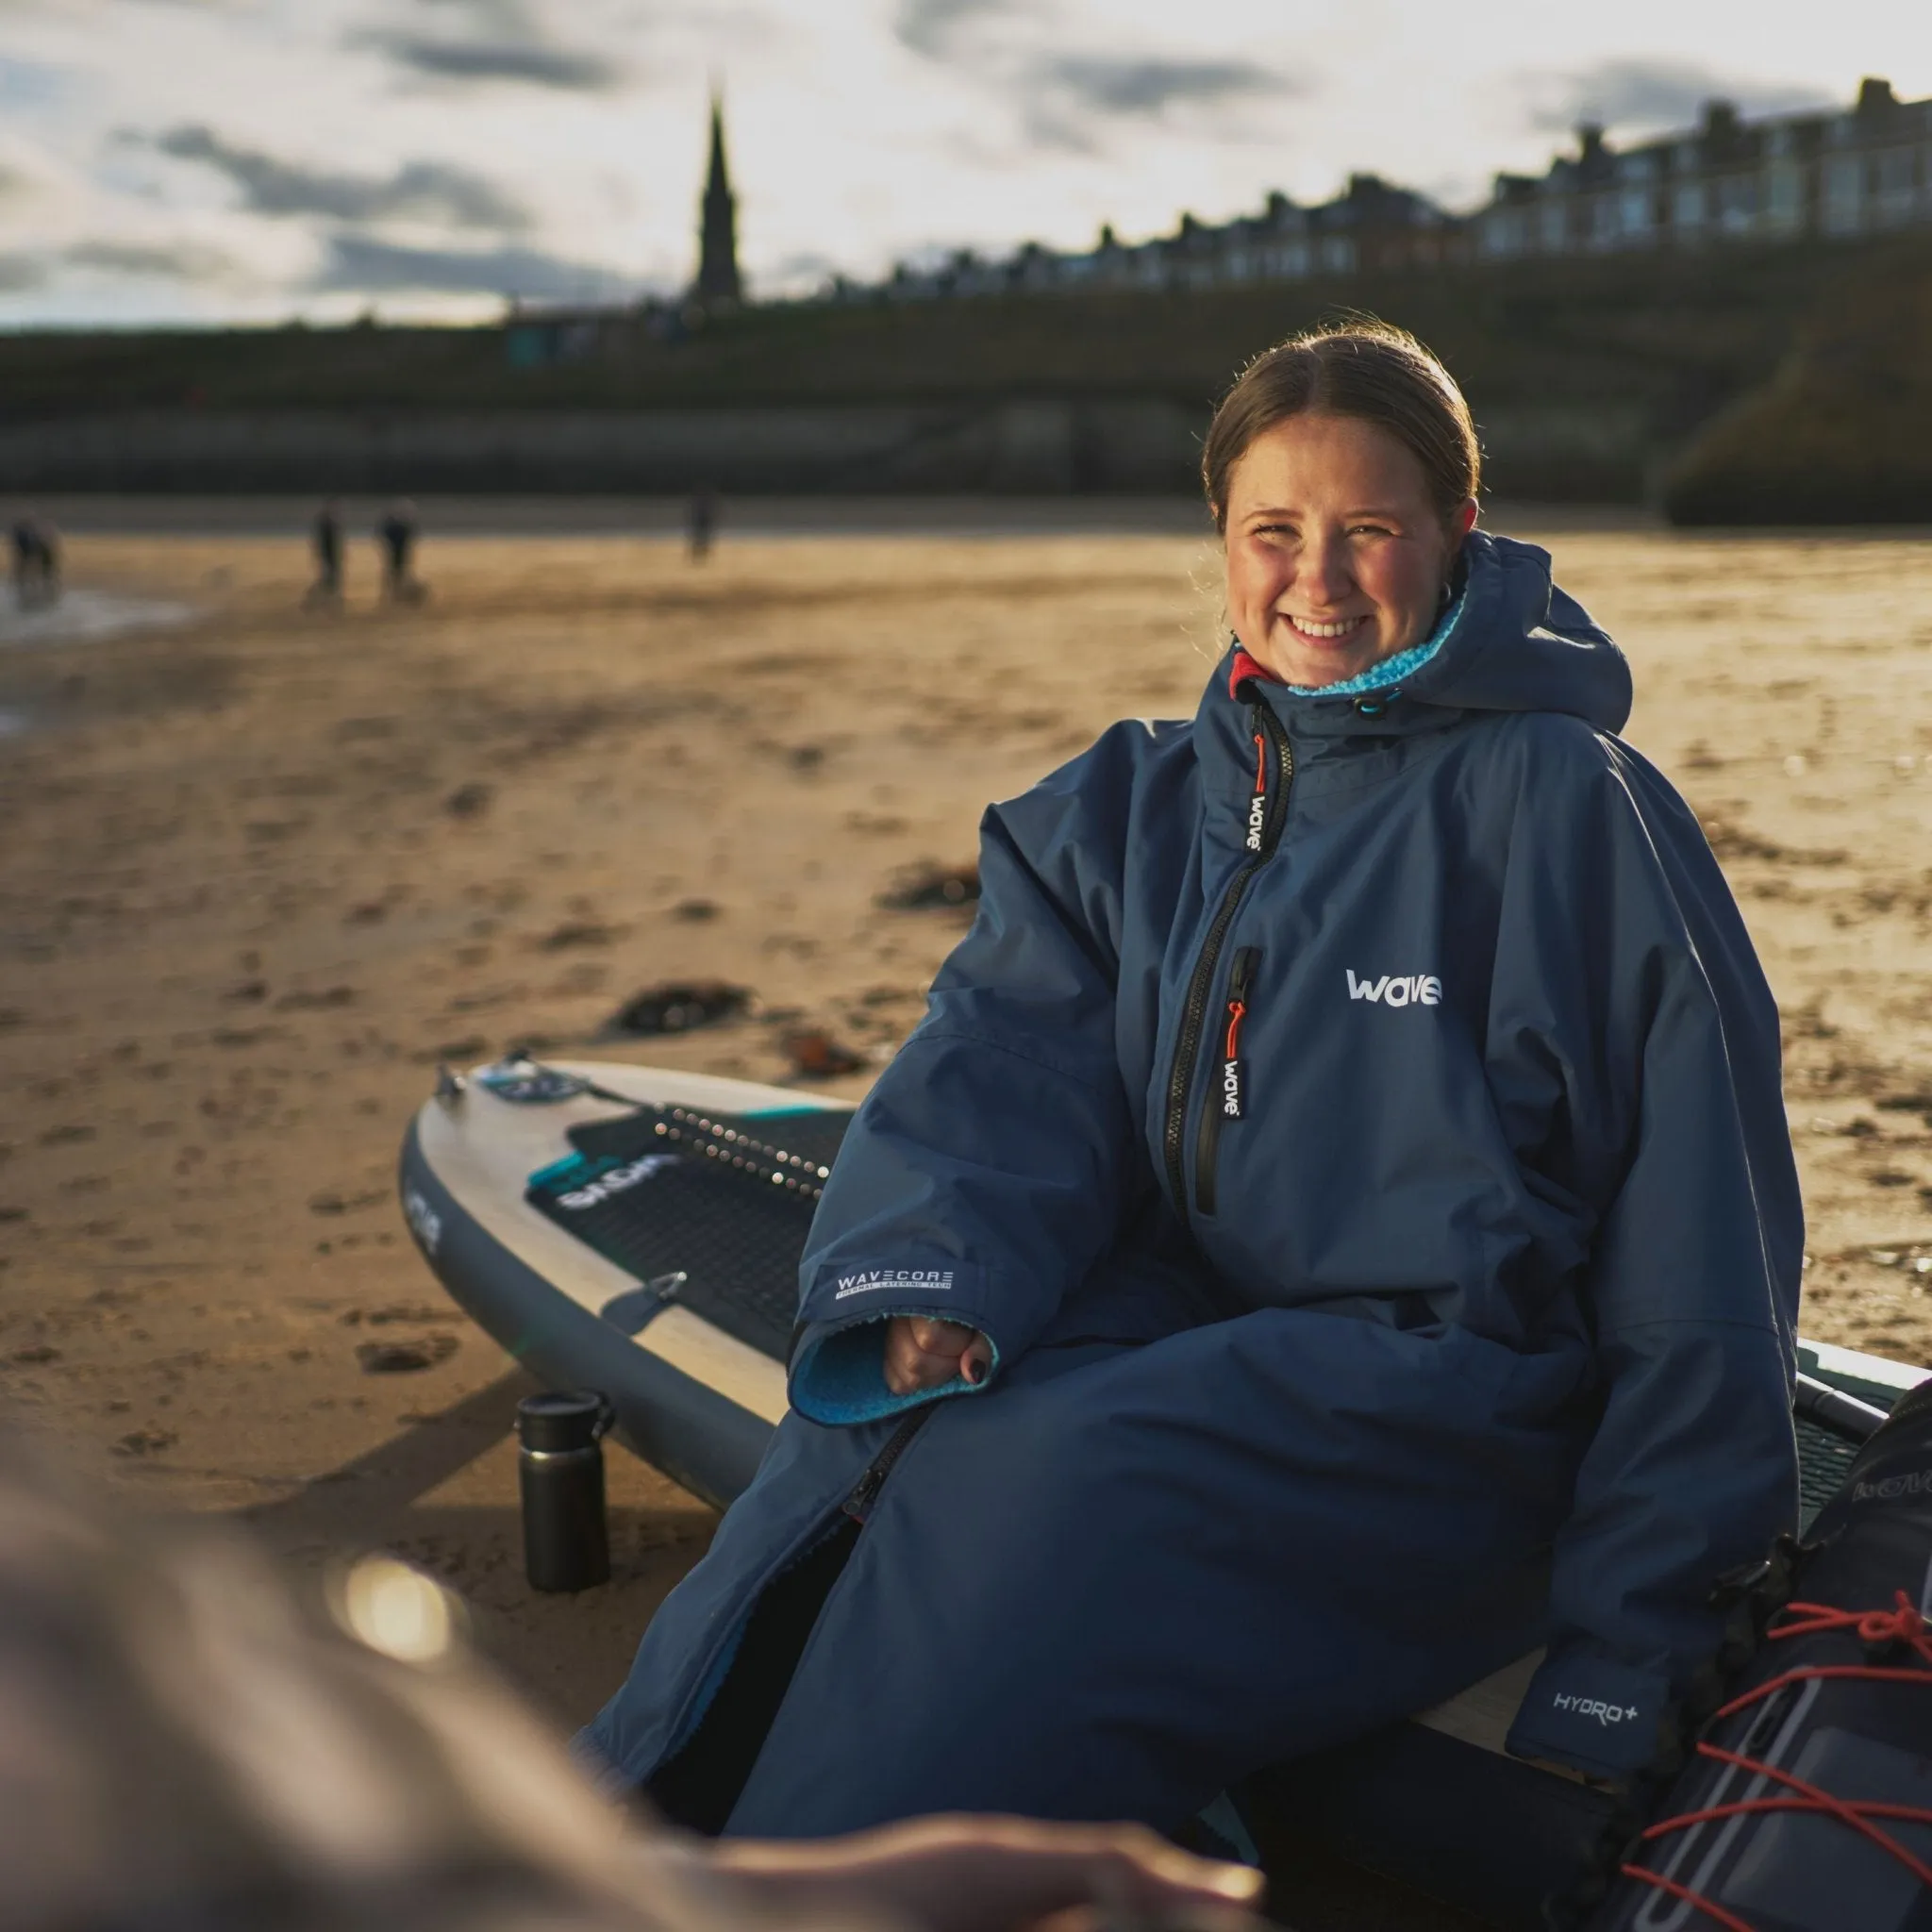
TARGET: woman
(1336,1218)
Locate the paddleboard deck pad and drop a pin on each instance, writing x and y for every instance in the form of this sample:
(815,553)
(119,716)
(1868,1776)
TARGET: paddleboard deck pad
(637,1231)
(723,1218)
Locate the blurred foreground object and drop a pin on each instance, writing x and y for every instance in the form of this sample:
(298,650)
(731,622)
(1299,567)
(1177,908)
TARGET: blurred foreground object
(182,1746)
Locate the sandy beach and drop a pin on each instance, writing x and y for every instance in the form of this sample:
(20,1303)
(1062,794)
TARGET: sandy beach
(263,867)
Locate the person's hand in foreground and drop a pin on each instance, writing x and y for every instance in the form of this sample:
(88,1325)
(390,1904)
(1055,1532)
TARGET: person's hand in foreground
(989,1874)
(922,1353)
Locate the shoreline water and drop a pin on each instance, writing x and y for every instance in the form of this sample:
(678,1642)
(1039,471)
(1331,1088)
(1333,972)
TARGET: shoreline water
(84,615)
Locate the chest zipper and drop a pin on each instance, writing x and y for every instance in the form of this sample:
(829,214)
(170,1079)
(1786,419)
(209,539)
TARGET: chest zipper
(1228,1094)
(1267,815)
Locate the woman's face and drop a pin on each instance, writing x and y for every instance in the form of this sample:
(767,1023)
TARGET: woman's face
(1336,557)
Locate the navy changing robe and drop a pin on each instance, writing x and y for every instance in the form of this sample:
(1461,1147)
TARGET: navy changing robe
(1357,1125)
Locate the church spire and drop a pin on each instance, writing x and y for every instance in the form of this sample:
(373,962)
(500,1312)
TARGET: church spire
(718,280)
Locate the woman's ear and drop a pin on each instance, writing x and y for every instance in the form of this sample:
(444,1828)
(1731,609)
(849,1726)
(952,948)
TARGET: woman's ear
(1465,519)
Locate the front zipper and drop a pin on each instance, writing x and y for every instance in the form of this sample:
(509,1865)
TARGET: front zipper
(1227,1096)
(1267,815)
(857,1507)
(865,1492)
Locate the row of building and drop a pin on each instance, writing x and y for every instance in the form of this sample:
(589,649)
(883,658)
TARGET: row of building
(1861,171)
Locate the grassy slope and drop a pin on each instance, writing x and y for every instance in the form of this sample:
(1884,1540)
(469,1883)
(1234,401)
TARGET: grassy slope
(1842,431)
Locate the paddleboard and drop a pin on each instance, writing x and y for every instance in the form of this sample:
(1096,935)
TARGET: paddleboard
(637,1230)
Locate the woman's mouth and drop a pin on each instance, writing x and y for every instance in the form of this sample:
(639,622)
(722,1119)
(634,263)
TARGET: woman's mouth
(1324,632)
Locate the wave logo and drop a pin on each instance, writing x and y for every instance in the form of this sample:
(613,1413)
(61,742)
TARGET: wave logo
(1398,990)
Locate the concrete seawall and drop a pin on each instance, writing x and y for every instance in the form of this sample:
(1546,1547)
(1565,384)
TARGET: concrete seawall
(1019,447)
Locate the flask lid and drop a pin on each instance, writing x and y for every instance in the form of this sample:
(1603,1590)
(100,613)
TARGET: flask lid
(562,1419)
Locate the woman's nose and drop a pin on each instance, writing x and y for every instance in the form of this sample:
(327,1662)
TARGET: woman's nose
(1322,572)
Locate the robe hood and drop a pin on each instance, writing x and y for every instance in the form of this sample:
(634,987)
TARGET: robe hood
(1512,642)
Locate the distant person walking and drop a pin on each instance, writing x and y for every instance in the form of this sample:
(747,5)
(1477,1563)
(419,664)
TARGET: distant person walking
(327,542)
(700,523)
(397,532)
(36,546)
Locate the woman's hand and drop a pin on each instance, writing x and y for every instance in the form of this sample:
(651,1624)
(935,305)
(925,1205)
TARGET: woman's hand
(922,1353)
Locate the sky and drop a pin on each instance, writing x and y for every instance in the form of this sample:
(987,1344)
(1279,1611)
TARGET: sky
(191,161)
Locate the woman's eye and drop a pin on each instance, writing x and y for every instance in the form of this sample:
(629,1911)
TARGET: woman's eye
(1369,530)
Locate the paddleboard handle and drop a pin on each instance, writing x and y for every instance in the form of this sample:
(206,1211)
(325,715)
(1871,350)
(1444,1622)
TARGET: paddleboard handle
(1819,1402)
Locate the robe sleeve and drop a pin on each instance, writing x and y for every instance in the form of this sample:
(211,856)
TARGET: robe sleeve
(987,1169)
(1642,1019)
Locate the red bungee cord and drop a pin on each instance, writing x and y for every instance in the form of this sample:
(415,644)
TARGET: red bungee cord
(1900,1624)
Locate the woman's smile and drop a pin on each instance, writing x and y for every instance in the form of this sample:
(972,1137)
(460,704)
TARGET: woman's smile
(1324,630)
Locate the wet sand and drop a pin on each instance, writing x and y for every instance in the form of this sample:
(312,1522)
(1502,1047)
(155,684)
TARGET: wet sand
(261,871)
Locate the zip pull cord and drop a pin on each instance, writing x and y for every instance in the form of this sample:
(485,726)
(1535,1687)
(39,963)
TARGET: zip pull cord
(1237,1012)
(1261,764)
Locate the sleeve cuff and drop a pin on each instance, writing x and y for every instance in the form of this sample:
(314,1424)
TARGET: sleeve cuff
(837,1375)
(1594,1714)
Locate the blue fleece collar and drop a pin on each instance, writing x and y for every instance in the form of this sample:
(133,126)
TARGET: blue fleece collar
(1390,670)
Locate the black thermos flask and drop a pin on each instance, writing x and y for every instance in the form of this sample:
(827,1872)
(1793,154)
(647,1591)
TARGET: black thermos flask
(560,1472)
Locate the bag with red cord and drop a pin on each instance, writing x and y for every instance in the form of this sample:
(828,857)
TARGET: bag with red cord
(1804,1799)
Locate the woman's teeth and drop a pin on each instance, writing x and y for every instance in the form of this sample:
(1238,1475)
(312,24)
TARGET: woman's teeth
(1310,629)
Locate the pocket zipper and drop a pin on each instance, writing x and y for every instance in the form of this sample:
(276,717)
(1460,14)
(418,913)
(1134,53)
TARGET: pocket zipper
(1228,1094)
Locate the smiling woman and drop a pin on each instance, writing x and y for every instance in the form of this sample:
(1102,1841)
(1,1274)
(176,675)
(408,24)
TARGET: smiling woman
(1334,1229)
(1342,471)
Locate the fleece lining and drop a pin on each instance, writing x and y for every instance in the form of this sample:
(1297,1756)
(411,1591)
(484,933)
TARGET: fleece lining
(843,1376)
(1390,670)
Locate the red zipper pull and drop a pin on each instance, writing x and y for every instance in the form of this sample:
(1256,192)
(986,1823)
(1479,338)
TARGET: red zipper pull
(1233,1073)
(1257,801)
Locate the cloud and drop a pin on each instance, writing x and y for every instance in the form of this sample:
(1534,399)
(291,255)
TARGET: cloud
(1060,92)
(1066,100)
(26,269)
(932,26)
(502,43)
(185,262)
(1651,95)
(513,60)
(1113,86)
(361,264)
(427,190)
